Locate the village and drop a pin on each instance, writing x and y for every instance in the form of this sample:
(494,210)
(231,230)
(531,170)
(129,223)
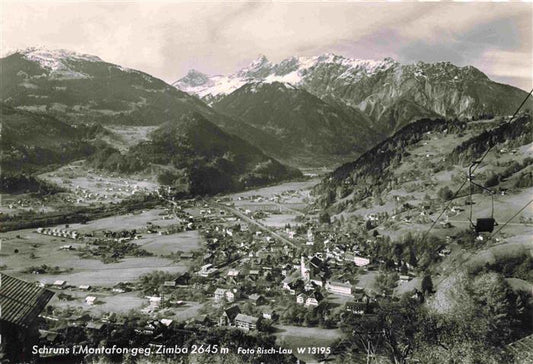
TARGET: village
(261,263)
(265,261)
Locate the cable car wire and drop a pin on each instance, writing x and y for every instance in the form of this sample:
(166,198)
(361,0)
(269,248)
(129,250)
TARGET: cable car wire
(511,218)
(473,170)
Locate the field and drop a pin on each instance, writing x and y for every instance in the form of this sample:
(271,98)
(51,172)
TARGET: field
(128,135)
(185,241)
(119,303)
(272,191)
(35,250)
(125,222)
(278,220)
(26,248)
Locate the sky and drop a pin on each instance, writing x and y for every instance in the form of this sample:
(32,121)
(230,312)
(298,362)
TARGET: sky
(167,38)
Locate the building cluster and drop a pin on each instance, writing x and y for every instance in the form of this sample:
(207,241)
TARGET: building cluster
(62,233)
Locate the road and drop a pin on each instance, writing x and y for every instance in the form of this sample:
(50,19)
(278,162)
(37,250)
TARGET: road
(255,222)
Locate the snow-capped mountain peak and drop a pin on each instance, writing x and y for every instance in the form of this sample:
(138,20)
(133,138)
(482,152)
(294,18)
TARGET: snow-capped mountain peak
(259,67)
(194,78)
(57,61)
(292,71)
(54,59)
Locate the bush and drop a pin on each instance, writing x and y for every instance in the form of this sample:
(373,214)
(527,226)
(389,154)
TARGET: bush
(324,218)
(445,193)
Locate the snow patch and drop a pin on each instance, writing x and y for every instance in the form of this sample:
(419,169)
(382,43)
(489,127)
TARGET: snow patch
(292,72)
(57,61)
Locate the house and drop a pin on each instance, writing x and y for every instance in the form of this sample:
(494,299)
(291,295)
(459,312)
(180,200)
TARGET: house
(166,322)
(257,299)
(316,262)
(96,326)
(270,315)
(207,270)
(229,315)
(287,283)
(49,336)
(182,279)
(84,287)
(155,301)
(310,286)
(222,294)
(445,252)
(202,319)
(311,302)
(405,278)
(360,261)
(90,300)
(230,296)
(246,322)
(233,273)
(357,308)
(300,299)
(343,289)
(59,284)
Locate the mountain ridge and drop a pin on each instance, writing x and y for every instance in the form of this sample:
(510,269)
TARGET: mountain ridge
(383,90)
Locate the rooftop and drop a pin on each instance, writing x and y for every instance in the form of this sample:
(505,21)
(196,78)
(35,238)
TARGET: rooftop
(245,318)
(21,301)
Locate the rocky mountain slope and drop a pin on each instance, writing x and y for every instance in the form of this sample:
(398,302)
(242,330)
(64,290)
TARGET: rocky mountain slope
(390,93)
(299,127)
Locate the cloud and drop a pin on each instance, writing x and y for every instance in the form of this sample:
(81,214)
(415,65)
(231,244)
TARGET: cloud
(166,39)
(506,65)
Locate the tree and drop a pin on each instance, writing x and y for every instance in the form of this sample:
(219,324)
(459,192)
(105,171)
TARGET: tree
(445,193)
(413,260)
(427,284)
(324,218)
(492,180)
(386,282)
(166,178)
(264,325)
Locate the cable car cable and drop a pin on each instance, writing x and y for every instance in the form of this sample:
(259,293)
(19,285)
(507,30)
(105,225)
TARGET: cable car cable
(473,170)
(512,217)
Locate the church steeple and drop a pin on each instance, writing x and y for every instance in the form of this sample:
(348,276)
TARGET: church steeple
(304,271)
